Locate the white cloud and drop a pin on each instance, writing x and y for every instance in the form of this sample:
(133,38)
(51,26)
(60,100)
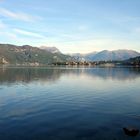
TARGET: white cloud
(11,35)
(27,33)
(16,15)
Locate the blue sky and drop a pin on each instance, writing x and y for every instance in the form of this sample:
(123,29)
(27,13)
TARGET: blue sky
(72,26)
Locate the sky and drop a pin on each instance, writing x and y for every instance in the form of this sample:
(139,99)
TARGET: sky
(73,26)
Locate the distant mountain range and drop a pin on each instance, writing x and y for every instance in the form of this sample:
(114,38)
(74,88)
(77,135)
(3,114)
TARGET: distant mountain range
(11,54)
(107,55)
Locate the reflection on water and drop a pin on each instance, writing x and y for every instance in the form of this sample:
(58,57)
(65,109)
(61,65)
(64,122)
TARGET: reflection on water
(11,75)
(58,103)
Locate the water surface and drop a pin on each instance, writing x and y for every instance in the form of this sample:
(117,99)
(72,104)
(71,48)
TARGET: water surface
(64,103)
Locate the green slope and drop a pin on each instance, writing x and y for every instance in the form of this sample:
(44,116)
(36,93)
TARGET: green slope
(26,54)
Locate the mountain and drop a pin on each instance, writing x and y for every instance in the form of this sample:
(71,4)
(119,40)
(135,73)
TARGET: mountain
(50,49)
(90,56)
(26,54)
(111,55)
(11,54)
(78,57)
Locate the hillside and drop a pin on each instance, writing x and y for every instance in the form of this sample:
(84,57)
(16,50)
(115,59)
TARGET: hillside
(133,61)
(12,54)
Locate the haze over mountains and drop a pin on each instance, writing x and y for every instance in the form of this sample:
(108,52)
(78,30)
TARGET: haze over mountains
(106,55)
(50,49)
(44,55)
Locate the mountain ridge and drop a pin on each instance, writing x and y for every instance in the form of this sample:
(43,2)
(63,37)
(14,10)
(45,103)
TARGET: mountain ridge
(106,55)
(13,54)
(26,54)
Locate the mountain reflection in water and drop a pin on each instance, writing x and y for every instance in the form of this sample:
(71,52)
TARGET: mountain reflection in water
(50,74)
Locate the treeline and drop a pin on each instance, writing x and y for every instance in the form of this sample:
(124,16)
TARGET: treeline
(132,61)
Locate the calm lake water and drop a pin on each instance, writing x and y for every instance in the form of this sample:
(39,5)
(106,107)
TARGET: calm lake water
(68,103)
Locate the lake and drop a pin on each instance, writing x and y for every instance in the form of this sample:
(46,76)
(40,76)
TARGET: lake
(68,103)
